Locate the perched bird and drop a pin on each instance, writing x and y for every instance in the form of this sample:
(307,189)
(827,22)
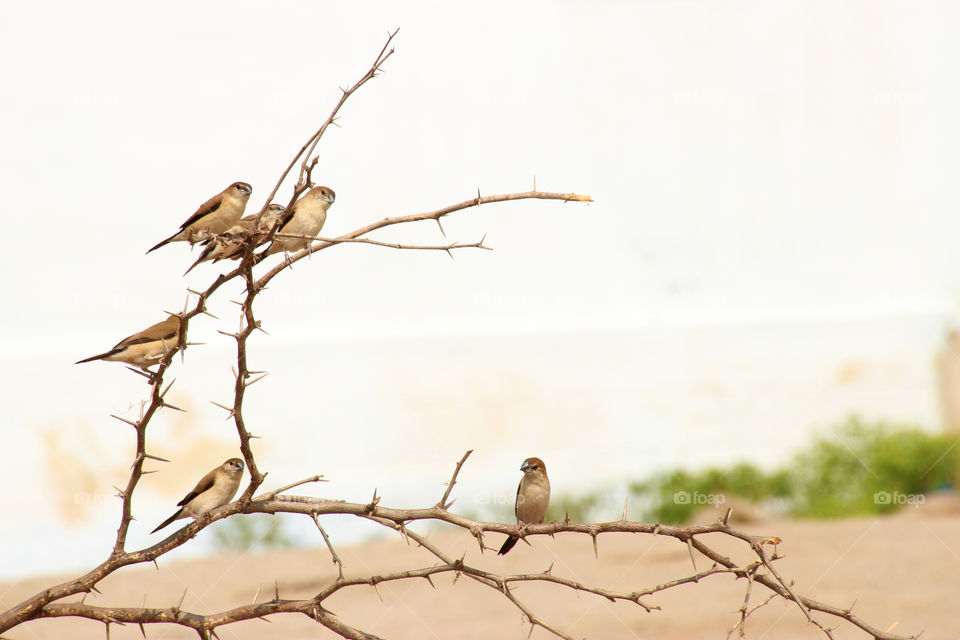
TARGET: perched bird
(217,488)
(229,244)
(305,218)
(216,215)
(533,498)
(146,348)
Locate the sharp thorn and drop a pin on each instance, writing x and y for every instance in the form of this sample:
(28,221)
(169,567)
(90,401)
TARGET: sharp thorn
(129,422)
(257,379)
(141,373)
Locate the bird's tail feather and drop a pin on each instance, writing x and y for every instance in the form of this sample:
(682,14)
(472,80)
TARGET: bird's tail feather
(163,242)
(203,256)
(168,520)
(97,357)
(507,545)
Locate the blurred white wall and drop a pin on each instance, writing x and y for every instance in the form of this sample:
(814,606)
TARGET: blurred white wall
(772,247)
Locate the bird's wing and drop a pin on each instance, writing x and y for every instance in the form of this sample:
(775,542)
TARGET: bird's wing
(516,502)
(206,208)
(285,218)
(168,331)
(205,483)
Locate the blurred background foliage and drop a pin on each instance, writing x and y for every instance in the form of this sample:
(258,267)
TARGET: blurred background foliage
(252,532)
(839,474)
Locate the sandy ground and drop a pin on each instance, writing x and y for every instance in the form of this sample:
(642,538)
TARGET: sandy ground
(903,571)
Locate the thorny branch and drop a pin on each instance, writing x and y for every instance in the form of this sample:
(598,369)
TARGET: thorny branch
(304,182)
(47,603)
(399,520)
(417,217)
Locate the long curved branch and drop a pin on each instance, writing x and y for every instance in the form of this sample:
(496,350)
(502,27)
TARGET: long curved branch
(417,217)
(398,519)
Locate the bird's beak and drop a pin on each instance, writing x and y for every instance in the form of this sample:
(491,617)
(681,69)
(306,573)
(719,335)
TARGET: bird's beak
(525,467)
(330,198)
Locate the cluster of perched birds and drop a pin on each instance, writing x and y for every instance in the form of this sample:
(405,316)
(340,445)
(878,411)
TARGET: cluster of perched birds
(220,227)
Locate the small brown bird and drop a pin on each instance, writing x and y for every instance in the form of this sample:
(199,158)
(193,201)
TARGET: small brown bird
(146,348)
(216,489)
(216,215)
(229,244)
(533,498)
(305,218)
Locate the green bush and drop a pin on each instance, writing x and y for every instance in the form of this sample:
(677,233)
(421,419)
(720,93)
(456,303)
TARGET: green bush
(855,469)
(859,469)
(664,493)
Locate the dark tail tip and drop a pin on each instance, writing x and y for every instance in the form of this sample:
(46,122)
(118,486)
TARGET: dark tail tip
(193,265)
(160,244)
(507,545)
(96,357)
(167,521)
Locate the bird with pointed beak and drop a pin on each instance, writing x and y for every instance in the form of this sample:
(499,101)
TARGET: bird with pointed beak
(305,218)
(229,244)
(533,498)
(215,489)
(146,348)
(214,216)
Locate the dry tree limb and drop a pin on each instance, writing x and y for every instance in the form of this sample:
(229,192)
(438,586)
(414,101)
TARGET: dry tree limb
(311,143)
(417,217)
(397,520)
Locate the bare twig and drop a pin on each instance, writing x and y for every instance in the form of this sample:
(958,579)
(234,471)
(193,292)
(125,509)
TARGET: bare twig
(416,217)
(333,553)
(392,245)
(312,141)
(453,480)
